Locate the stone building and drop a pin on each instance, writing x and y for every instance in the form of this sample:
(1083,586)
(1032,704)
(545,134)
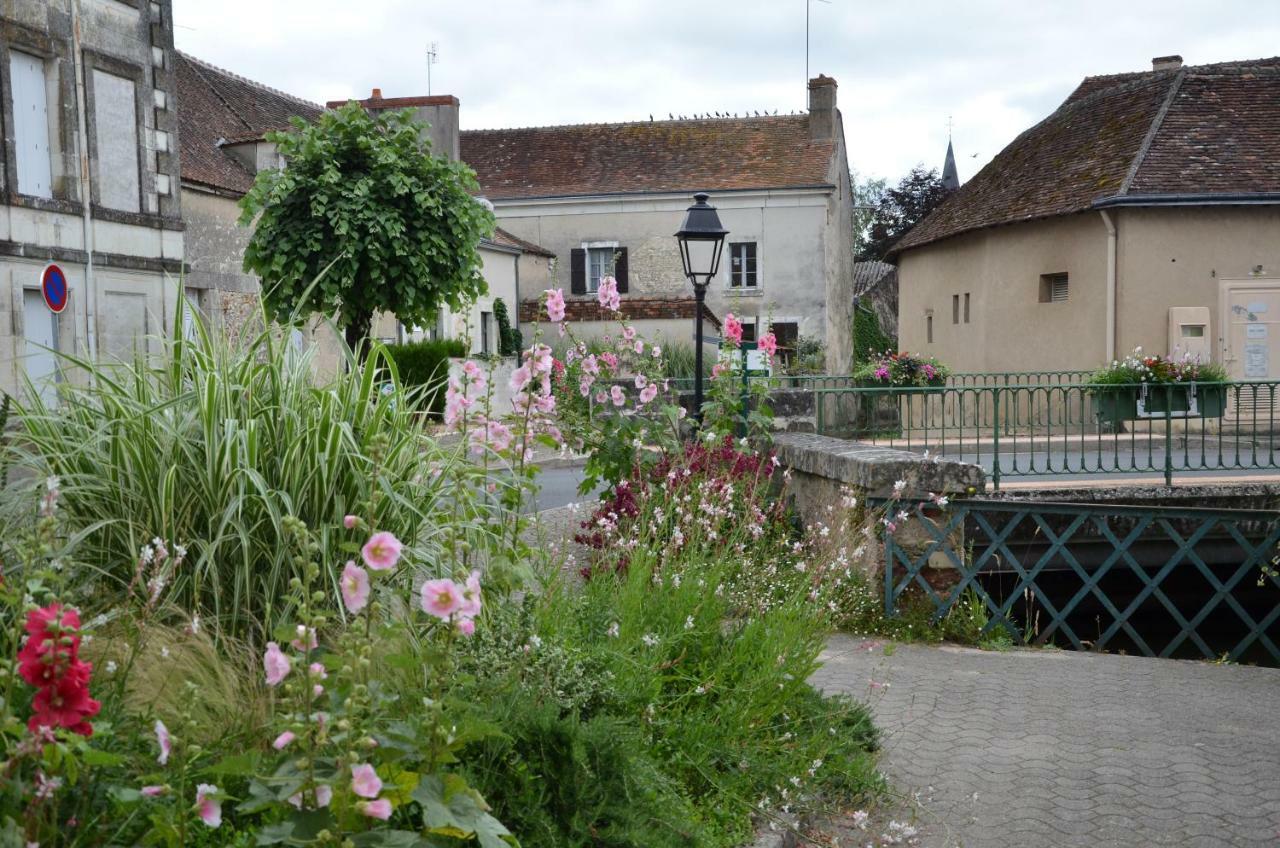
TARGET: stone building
(1145,211)
(607,198)
(90,180)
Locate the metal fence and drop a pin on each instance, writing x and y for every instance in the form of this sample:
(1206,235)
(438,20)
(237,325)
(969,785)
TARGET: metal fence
(1160,581)
(1018,430)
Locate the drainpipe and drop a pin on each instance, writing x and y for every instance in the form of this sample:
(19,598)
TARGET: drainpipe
(86,194)
(1111,284)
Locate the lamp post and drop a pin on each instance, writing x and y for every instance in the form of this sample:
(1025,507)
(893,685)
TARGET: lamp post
(701,239)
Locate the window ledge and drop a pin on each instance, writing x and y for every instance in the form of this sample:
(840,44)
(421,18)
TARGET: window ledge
(754,291)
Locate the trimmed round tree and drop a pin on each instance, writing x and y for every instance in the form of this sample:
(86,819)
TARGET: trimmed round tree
(364,219)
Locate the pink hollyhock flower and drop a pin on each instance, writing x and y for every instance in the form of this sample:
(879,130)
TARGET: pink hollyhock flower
(153,791)
(609,359)
(276,664)
(769,344)
(308,633)
(608,294)
(618,396)
(639,348)
(317,670)
(471,596)
(656,350)
(601,397)
(466,627)
(732,328)
(546,404)
(283,739)
(641,381)
(541,359)
(208,805)
(648,393)
(591,365)
(355,587)
(324,794)
(555,305)
(628,333)
(717,370)
(441,598)
(584,386)
(475,373)
(382,551)
(520,378)
(349,521)
(165,741)
(380,809)
(365,781)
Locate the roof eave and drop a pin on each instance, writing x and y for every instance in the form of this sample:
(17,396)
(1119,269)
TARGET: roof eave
(1246,198)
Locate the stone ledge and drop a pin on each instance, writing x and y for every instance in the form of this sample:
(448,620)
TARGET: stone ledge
(872,469)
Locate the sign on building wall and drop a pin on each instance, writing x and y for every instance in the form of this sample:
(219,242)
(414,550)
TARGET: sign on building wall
(54,288)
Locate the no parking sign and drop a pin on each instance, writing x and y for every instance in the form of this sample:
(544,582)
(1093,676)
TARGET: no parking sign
(53,285)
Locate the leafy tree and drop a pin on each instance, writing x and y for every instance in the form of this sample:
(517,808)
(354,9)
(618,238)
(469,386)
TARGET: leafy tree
(867,196)
(901,208)
(362,219)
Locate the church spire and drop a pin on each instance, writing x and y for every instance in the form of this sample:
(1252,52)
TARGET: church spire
(950,179)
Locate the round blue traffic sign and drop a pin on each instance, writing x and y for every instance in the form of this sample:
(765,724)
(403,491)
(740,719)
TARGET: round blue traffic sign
(53,285)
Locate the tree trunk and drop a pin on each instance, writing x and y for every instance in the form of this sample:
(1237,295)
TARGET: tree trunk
(357,334)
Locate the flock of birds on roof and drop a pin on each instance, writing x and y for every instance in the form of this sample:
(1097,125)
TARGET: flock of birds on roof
(706,115)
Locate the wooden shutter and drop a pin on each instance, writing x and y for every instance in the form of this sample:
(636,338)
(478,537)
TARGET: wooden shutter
(578,271)
(620,268)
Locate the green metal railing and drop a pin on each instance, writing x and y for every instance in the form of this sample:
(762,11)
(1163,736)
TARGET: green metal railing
(1161,581)
(1069,428)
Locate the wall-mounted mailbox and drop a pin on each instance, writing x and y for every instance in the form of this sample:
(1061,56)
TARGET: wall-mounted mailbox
(1189,332)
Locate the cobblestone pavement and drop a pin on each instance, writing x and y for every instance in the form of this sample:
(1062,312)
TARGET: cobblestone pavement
(1035,748)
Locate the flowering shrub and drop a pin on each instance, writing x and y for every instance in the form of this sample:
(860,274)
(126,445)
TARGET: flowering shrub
(735,406)
(902,370)
(1138,368)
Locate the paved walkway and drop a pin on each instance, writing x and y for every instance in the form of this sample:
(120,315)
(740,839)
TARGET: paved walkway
(1041,748)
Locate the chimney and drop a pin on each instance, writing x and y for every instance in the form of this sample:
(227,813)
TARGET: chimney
(822,108)
(439,112)
(1166,63)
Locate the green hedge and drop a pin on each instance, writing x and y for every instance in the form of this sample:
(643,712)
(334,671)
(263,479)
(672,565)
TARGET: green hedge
(426,364)
(869,341)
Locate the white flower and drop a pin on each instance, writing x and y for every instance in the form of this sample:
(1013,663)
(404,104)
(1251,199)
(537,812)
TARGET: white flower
(649,640)
(688,623)
(899,486)
(613,630)
(860,819)
(111,666)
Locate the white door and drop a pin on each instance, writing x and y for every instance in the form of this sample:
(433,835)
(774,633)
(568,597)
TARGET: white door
(41,328)
(1251,347)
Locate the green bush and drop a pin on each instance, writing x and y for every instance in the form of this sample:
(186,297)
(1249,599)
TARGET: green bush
(425,365)
(868,338)
(510,340)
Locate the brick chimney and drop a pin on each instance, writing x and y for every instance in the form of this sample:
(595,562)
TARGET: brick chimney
(1166,63)
(439,112)
(822,108)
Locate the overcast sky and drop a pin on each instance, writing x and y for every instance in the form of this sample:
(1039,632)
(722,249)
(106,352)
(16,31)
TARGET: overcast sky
(903,66)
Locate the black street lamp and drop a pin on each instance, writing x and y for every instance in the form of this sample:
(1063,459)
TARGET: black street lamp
(701,239)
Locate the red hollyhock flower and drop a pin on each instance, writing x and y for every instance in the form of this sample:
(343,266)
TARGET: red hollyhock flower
(65,703)
(53,618)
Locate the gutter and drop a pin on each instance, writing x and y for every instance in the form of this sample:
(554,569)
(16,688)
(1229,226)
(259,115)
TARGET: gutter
(86,189)
(1111,286)
(1247,198)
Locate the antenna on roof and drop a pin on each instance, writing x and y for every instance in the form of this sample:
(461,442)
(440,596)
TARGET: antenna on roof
(433,56)
(807,4)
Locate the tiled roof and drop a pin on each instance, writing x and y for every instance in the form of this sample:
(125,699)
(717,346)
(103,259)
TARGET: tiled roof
(218,106)
(1204,130)
(867,275)
(506,239)
(651,156)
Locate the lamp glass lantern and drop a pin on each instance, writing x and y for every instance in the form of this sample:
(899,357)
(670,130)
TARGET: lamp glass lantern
(701,239)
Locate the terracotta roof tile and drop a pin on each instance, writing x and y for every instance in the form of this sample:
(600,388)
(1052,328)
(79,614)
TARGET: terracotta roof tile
(1207,129)
(506,239)
(682,155)
(215,105)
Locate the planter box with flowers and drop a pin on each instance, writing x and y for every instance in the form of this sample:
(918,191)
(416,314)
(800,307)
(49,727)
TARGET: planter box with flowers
(1151,387)
(902,370)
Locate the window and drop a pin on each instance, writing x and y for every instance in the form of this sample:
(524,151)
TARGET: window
(1053,288)
(928,328)
(966,307)
(599,266)
(955,309)
(486,337)
(116,136)
(190,309)
(787,333)
(31,124)
(749,330)
(742,265)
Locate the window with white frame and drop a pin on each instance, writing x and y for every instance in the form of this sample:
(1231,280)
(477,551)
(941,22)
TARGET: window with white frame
(742,265)
(599,266)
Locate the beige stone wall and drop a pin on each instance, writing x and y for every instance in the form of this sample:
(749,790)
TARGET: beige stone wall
(1166,257)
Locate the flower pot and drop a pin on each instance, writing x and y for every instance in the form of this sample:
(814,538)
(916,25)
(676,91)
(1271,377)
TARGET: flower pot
(1169,400)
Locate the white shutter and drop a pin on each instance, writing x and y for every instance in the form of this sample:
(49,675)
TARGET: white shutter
(116,119)
(31,125)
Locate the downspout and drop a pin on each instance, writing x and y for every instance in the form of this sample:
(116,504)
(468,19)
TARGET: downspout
(86,188)
(1111,284)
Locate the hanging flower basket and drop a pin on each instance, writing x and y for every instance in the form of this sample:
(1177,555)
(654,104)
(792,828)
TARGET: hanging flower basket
(1141,387)
(906,373)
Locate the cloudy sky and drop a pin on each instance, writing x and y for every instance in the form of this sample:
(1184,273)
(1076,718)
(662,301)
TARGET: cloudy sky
(993,66)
